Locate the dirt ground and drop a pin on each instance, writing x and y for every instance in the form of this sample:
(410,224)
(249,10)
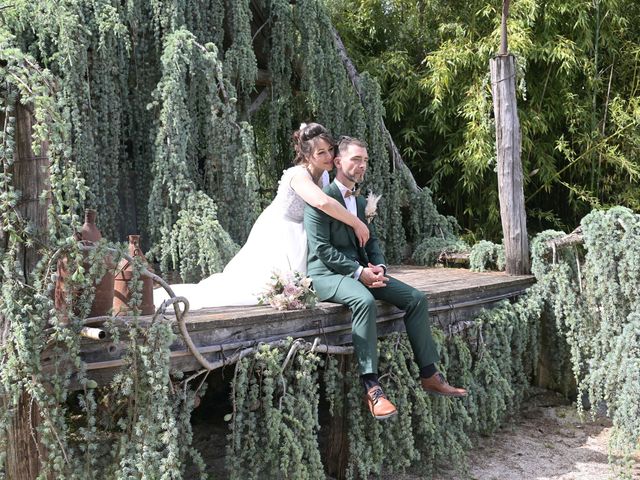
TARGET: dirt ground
(547,441)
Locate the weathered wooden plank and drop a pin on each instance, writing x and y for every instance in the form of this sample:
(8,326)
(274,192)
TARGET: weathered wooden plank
(455,295)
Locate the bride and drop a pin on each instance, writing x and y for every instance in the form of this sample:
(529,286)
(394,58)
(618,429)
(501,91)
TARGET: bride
(277,241)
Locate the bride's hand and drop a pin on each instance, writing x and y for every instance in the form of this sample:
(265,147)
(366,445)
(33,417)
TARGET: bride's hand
(362,232)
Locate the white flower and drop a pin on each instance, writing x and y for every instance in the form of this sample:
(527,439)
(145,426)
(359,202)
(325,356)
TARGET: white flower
(370,209)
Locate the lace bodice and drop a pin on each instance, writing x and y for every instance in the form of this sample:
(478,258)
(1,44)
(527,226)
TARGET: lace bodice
(287,200)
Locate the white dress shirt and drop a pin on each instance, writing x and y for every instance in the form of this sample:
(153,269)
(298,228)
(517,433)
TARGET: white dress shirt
(350,203)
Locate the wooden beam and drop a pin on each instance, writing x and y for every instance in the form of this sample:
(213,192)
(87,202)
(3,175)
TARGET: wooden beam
(336,452)
(455,296)
(569,240)
(263,78)
(447,258)
(509,148)
(260,99)
(504,46)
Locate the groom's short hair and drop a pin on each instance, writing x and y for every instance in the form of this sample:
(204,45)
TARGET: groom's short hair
(345,142)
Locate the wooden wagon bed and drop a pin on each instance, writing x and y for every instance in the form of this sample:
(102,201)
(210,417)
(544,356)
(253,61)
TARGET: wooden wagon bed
(454,296)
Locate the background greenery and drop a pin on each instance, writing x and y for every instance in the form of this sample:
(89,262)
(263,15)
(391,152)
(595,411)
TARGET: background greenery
(578,99)
(149,112)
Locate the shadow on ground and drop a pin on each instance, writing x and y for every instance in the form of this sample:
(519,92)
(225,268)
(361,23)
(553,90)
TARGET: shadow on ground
(547,441)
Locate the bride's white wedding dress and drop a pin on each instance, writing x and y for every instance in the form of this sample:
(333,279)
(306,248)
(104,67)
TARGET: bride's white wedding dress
(277,242)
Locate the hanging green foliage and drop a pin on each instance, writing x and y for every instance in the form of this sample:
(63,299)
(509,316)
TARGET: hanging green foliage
(486,256)
(281,115)
(212,247)
(176,170)
(274,421)
(154,439)
(594,300)
(239,59)
(495,358)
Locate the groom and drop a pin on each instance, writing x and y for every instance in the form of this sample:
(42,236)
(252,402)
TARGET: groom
(345,273)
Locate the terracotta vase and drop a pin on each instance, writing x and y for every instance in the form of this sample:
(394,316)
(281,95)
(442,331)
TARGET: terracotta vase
(103,299)
(122,293)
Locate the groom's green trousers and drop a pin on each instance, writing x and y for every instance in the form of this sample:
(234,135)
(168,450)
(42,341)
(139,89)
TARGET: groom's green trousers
(362,302)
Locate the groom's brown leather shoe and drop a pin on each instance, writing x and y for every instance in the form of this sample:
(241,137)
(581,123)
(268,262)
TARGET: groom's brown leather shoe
(379,404)
(437,385)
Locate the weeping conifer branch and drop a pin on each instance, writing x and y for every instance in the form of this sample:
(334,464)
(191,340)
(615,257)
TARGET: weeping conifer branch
(355,81)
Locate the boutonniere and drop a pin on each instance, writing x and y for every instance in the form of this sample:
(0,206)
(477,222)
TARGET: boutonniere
(371,208)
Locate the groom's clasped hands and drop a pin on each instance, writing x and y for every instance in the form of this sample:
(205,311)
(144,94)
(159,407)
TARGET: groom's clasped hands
(372,276)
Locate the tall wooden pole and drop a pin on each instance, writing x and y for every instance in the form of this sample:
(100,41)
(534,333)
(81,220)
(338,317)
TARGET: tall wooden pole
(30,177)
(508,147)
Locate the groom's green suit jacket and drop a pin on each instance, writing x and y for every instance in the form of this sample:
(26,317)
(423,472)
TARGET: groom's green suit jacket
(334,251)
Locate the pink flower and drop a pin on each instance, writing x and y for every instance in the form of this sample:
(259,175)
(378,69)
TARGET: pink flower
(291,290)
(297,305)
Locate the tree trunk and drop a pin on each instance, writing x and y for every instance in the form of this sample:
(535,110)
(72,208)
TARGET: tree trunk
(30,177)
(510,178)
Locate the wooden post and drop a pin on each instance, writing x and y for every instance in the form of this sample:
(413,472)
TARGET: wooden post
(23,458)
(509,146)
(336,452)
(30,177)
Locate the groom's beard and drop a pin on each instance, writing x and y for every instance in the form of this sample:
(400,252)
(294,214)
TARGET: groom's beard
(355,178)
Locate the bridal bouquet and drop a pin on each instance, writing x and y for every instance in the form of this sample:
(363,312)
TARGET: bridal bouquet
(289,291)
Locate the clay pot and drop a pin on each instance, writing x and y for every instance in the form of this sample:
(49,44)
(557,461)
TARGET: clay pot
(103,299)
(122,294)
(89,231)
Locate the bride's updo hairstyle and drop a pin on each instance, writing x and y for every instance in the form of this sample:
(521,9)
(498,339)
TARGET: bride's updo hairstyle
(304,140)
